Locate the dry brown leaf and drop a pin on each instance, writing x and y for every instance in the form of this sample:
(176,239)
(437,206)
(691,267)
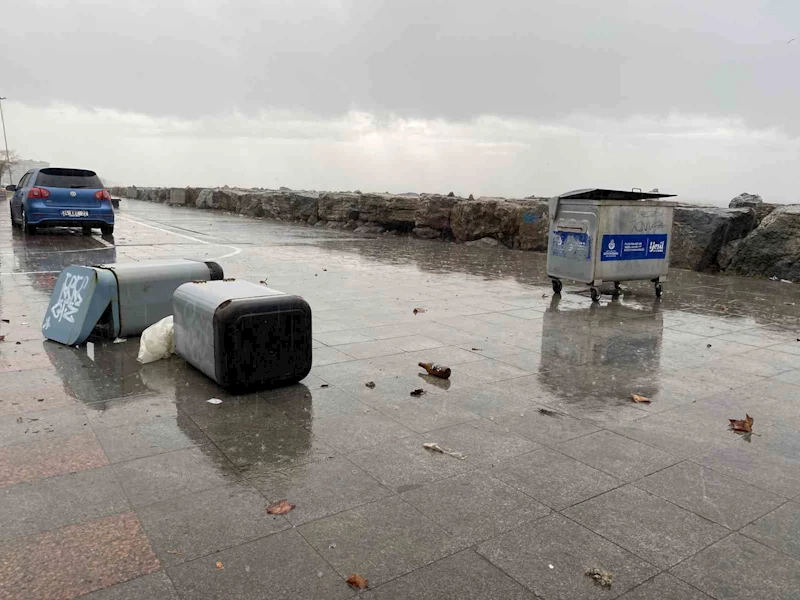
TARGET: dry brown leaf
(742,425)
(601,577)
(358,582)
(419,310)
(220,565)
(418,392)
(279,508)
(642,399)
(175,552)
(434,447)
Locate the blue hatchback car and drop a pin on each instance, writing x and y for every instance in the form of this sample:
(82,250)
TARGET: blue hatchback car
(55,197)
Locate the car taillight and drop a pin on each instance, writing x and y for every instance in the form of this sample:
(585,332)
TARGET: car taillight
(102,195)
(38,193)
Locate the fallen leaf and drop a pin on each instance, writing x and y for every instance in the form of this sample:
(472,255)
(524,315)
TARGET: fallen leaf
(742,425)
(370,385)
(419,310)
(638,398)
(418,392)
(220,565)
(279,508)
(547,412)
(176,552)
(214,401)
(601,577)
(434,447)
(358,582)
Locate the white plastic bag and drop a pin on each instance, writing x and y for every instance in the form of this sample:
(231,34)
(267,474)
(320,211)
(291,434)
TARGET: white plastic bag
(158,341)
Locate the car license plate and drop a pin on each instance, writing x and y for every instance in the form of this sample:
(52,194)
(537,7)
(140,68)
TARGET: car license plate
(74,213)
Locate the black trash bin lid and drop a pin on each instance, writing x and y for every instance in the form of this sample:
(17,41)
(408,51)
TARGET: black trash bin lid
(601,194)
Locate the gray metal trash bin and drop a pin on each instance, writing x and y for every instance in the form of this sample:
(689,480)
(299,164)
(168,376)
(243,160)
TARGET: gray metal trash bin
(599,235)
(117,300)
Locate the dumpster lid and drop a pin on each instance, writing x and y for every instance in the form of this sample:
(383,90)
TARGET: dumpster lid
(601,194)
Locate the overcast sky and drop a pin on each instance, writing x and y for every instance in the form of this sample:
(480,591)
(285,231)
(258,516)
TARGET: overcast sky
(508,97)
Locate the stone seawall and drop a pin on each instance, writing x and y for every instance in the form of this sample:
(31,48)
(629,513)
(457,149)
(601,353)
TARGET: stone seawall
(745,240)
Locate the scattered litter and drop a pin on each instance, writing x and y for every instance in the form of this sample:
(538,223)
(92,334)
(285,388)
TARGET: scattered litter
(601,577)
(279,508)
(263,282)
(2,338)
(418,392)
(40,399)
(120,341)
(324,385)
(18,343)
(544,295)
(370,385)
(774,278)
(638,398)
(548,413)
(789,303)
(220,565)
(157,342)
(6,321)
(708,345)
(357,582)
(214,401)
(782,281)
(175,552)
(324,269)
(551,566)
(439,371)
(419,310)
(331,546)
(477,349)
(434,447)
(320,574)
(723,308)
(742,425)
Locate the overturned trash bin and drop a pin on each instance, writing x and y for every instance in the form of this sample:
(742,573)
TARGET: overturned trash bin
(244,336)
(601,235)
(119,300)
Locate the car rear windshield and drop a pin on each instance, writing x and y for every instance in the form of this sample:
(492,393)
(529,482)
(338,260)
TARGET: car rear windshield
(68,178)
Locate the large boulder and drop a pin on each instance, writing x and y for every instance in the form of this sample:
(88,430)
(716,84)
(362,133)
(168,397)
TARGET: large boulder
(754,201)
(338,206)
(699,233)
(476,219)
(433,212)
(287,205)
(393,212)
(534,226)
(773,249)
(224,199)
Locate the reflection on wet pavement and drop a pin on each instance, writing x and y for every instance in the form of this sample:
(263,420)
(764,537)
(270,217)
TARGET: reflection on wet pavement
(103,458)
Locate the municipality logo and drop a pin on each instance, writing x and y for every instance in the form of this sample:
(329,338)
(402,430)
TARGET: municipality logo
(656,246)
(612,244)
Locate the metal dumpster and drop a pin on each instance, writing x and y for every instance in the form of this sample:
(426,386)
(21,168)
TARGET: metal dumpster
(599,235)
(117,300)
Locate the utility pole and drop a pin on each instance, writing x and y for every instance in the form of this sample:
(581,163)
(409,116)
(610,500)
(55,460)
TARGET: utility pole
(5,140)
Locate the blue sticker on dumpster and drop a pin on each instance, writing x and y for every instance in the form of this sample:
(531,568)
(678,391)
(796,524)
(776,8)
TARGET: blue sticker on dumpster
(634,247)
(568,244)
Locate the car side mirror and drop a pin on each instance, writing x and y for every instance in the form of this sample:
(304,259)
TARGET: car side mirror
(11,188)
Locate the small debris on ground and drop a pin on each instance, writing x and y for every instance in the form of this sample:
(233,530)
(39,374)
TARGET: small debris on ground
(358,582)
(6,321)
(2,338)
(18,343)
(548,413)
(708,345)
(214,401)
(419,310)
(324,385)
(370,385)
(638,398)
(418,392)
(434,447)
(439,371)
(279,508)
(175,552)
(331,546)
(477,349)
(120,341)
(544,295)
(786,281)
(789,303)
(220,565)
(601,577)
(723,308)
(742,425)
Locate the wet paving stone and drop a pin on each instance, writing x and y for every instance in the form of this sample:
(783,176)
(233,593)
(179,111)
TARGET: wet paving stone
(88,434)
(75,560)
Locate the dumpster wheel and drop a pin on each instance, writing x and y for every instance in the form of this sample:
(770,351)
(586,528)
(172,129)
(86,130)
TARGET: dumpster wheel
(617,289)
(659,289)
(595,294)
(557,285)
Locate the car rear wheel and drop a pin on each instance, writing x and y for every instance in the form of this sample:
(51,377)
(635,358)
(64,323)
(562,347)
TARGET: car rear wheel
(14,223)
(107,229)
(29,229)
